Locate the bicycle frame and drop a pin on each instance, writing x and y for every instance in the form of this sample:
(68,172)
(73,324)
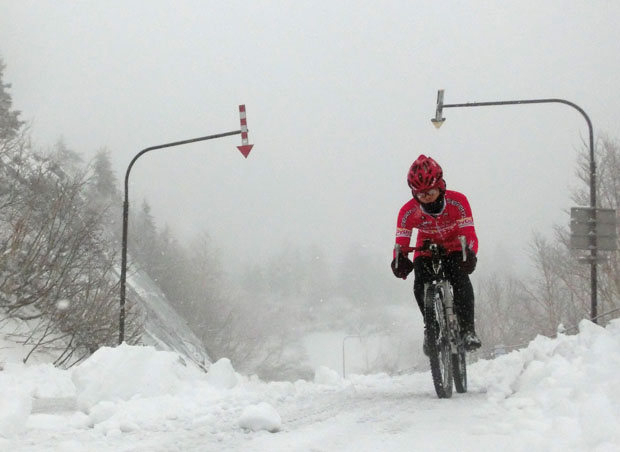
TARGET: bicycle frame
(444,304)
(440,283)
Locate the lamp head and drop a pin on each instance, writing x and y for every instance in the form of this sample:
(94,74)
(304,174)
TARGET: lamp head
(438,120)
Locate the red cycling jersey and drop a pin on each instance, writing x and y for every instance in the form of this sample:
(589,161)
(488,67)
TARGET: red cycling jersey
(444,228)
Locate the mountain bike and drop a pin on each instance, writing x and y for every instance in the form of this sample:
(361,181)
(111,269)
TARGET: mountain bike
(446,347)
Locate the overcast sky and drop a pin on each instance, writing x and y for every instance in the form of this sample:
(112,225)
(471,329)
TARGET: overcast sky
(339,95)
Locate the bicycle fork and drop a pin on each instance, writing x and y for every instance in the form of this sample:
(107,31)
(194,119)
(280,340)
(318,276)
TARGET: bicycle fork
(451,320)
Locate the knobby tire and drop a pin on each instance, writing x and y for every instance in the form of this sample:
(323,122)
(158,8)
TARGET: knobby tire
(459,369)
(439,352)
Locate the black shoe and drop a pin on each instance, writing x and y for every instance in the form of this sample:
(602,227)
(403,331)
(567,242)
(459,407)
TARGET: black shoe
(471,341)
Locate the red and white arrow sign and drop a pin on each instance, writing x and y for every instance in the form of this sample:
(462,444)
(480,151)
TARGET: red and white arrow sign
(245,148)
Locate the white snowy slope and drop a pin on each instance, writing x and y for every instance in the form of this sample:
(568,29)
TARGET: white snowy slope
(556,395)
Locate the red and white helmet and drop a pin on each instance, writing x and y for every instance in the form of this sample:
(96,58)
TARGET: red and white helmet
(424,174)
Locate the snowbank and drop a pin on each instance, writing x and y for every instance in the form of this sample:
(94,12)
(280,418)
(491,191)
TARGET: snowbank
(565,390)
(126,371)
(20,384)
(15,407)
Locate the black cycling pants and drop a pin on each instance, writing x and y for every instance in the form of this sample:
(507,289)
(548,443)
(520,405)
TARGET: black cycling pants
(461,286)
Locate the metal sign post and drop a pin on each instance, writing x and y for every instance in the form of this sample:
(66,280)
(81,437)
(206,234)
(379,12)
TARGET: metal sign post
(438,120)
(245,149)
(593,230)
(587,234)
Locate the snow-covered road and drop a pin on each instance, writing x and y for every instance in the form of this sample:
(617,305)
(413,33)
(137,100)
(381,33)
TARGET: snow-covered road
(372,413)
(395,414)
(557,394)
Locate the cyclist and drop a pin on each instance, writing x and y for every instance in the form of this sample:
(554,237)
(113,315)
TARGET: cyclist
(440,216)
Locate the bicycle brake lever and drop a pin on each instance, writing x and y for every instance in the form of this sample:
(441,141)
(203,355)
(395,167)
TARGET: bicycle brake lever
(463,241)
(397,250)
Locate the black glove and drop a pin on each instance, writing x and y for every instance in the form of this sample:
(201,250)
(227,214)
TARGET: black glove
(405,266)
(469,265)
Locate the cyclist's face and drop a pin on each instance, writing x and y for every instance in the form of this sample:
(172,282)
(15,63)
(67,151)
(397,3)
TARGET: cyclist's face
(427,196)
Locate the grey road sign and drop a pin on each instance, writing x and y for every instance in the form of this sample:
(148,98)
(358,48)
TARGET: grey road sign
(582,229)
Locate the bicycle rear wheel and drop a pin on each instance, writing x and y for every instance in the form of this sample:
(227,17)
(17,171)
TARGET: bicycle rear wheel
(439,352)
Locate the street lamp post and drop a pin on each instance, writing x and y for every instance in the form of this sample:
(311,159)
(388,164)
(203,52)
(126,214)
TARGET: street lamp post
(245,149)
(438,120)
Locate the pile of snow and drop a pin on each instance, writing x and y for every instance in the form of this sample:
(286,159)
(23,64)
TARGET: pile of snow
(566,391)
(120,389)
(260,417)
(125,372)
(222,375)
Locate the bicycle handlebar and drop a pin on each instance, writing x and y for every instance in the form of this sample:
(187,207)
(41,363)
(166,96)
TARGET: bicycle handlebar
(428,245)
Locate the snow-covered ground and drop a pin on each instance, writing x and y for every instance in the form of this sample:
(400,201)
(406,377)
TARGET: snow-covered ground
(556,395)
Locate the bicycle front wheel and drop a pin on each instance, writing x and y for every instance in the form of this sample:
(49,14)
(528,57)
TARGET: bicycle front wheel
(459,368)
(439,352)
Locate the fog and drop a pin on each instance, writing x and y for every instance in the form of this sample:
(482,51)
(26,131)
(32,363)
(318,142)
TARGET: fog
(339,98)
